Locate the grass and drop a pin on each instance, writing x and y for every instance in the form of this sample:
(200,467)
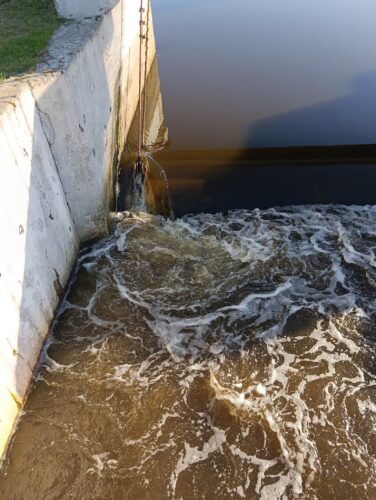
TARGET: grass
(25,29)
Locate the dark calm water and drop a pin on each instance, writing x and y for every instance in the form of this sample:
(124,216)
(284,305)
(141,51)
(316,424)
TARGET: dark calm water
(240,74)
(251,73)
(220,180)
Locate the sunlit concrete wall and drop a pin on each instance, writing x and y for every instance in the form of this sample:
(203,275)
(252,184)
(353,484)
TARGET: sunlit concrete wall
(90,106)
(39,245)
(80,108)
(130,57)
(78,9)
(61,131)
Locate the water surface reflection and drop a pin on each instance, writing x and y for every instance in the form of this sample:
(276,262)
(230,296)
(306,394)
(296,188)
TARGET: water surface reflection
(247,73)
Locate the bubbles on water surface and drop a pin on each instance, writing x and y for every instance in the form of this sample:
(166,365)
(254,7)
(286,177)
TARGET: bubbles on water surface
(215,356)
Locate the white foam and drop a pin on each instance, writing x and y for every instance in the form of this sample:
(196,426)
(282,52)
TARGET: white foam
(227,307)
(193,454)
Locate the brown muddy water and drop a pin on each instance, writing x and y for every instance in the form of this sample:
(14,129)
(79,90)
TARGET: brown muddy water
(219,355)
(214,356)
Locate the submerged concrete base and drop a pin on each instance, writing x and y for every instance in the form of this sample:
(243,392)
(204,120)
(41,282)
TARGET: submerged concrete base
(60,134)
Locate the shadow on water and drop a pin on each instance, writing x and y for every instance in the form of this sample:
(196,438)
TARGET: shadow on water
(347,120)
(262,177)
(215,186)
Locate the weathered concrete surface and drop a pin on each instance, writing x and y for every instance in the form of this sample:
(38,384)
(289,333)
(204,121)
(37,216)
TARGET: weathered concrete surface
(78,9)
(39,245)
(79,98)
(90,106)
(156,133)
(60,133)
(130,51)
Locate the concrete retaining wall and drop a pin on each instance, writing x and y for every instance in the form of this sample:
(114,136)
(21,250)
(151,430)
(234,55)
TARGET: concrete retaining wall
(98,87)
(60,134)
(79,9)
(39,246)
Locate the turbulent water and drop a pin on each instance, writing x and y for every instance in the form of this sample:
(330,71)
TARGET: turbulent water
(215,356)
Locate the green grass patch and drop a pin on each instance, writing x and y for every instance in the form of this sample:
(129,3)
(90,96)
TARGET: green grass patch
(25,29)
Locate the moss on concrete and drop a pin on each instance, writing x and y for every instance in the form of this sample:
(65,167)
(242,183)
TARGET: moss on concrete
(25,29)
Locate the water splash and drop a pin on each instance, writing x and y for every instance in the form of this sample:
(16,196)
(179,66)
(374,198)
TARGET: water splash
(144,190)
(213,356)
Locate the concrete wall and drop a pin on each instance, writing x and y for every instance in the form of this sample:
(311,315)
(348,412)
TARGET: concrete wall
(79,9)
(156,133)
(79,101)
(39,245)
(60,135)
(90,105)
(130,56)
